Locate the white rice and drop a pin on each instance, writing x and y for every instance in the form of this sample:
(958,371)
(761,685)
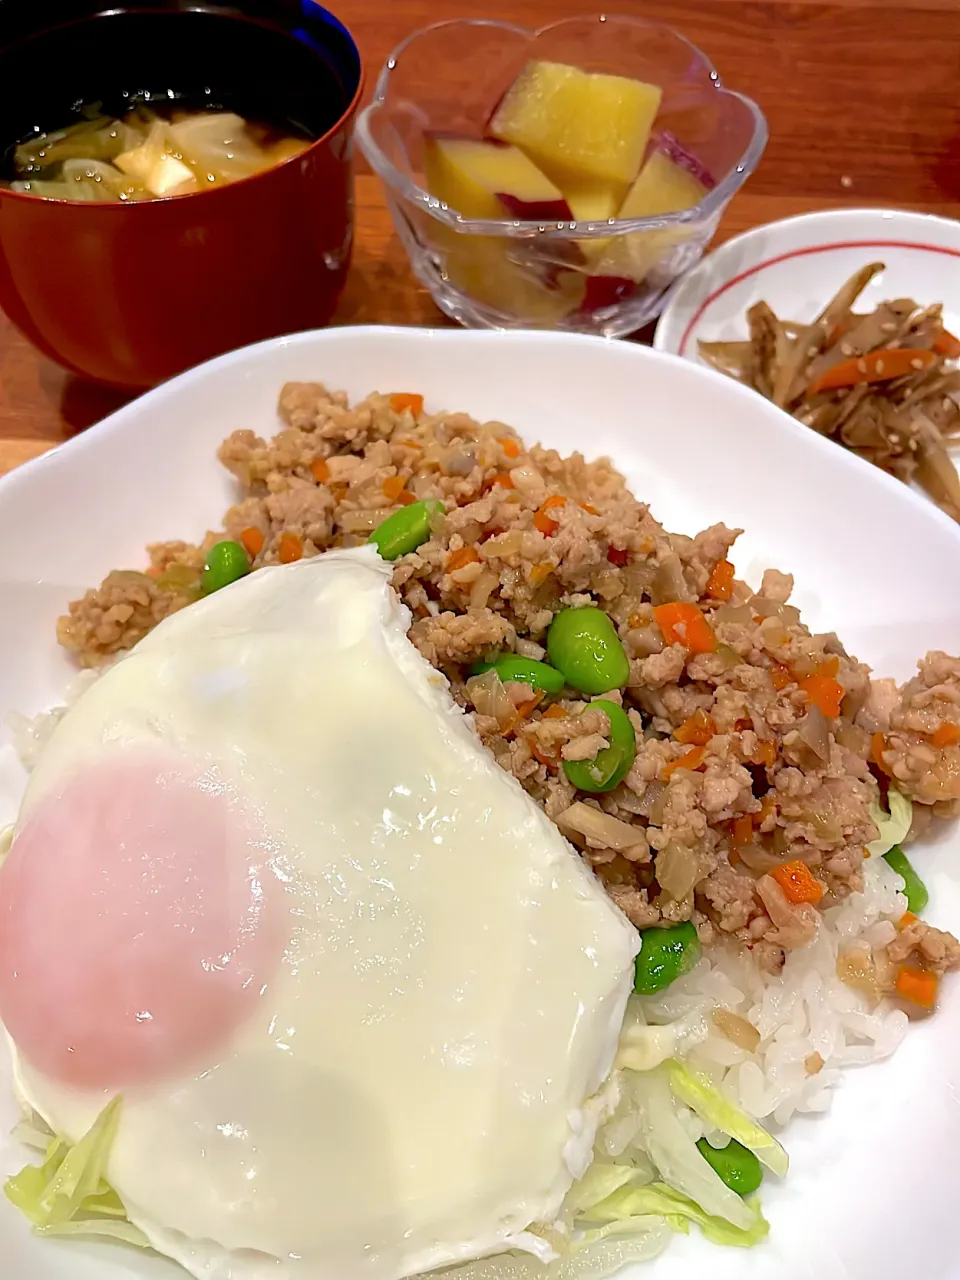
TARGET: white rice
(805,1010)
(802,1011)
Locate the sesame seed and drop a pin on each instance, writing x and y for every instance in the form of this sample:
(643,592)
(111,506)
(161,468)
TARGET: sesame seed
(916,364)
(846,349)
(879,366)
(889,327)
(861,366)
(812,351)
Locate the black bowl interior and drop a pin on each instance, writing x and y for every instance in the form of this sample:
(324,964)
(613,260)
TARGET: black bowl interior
(277,62)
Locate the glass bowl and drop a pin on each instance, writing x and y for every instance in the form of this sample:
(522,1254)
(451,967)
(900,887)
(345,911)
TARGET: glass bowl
(605,277)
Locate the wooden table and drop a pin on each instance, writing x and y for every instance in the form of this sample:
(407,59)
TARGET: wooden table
(886,132)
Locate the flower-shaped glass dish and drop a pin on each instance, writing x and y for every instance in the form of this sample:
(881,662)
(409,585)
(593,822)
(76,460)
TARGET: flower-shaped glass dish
(604,277)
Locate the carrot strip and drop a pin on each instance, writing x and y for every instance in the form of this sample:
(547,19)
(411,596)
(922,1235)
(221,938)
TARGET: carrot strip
(720,582)
(878,745)
(797,882)
(877,366)
(697,730)
(693,760)
(460,558)
(543,520)
(741,831)
(509,447)
(252,541)
(947,345)
(781,676)
(401,400)
(917,986)
(502,478)
(290,549)
(947,735)
(825,693)
(683,623)
(320,470)
(590,509)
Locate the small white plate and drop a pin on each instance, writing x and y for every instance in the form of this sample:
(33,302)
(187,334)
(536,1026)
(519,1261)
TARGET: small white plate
(798,264)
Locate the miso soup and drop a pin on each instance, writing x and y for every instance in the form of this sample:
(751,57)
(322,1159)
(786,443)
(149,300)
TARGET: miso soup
(147,153)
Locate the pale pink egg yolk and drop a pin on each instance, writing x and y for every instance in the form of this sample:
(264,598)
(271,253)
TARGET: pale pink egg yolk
(140,923)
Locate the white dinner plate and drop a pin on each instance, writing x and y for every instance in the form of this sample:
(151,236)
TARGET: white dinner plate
(872,1192)
(798,264)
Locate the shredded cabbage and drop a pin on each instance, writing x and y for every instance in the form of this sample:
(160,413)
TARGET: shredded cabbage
(893,826)
(68,1194)
(679,1210)
(710,1105)
(599,1253)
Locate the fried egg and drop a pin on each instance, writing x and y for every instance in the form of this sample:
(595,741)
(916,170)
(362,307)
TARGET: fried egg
(360,997)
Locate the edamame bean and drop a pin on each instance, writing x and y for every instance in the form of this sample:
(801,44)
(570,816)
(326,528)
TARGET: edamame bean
(407,529)
(226,562)
(611,765)
(735,1166)
(665,955)
(583,644)
(913,886)
(510,666)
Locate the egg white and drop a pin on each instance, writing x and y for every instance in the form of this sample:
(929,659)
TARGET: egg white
(419,1083)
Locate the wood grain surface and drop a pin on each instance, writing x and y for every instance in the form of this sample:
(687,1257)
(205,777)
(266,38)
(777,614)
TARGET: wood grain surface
(860,95)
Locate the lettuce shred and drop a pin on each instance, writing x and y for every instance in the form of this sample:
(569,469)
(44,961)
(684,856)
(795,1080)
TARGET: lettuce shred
(893,823)
(68,1194)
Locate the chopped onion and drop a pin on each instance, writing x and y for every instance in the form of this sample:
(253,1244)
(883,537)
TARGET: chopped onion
(609,832)
(652,797)
(359,521)
(741,614)
(758,859)
(814,731)
(764,607)
(482,589)
(678,870)
(669,583)
(490,698)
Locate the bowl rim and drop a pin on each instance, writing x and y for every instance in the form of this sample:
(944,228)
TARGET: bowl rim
(96,208)
(402,185)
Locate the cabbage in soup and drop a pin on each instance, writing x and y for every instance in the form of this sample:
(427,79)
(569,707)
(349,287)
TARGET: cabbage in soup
(145,155)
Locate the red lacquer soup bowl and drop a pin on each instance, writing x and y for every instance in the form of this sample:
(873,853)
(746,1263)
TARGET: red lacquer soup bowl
(131,293)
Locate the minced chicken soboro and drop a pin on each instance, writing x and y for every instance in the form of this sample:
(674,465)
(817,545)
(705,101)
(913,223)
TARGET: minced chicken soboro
(759,744)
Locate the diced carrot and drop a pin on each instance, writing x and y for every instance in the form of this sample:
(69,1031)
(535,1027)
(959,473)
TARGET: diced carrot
(618,556)
(502,478)
(918,986)
(947,345)
(947,735)
(741,831)
(797,882)
(392,487)
(509,447)
(526,709)
(460,558)
(697,730)
(550,761)
(554,712)
(320,470)
(540,572)
(401,400)
(154,571)
(765,753)
(825,693)
(878,745)
(543,520)
(906,920)
(877,366)
(720,582)
(830,666)
(339,491)
(252,541)
(693,760)
(590,509)
(290,549)
(781,676)
(683,623)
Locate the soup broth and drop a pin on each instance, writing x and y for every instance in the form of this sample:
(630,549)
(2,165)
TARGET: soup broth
(147,153)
